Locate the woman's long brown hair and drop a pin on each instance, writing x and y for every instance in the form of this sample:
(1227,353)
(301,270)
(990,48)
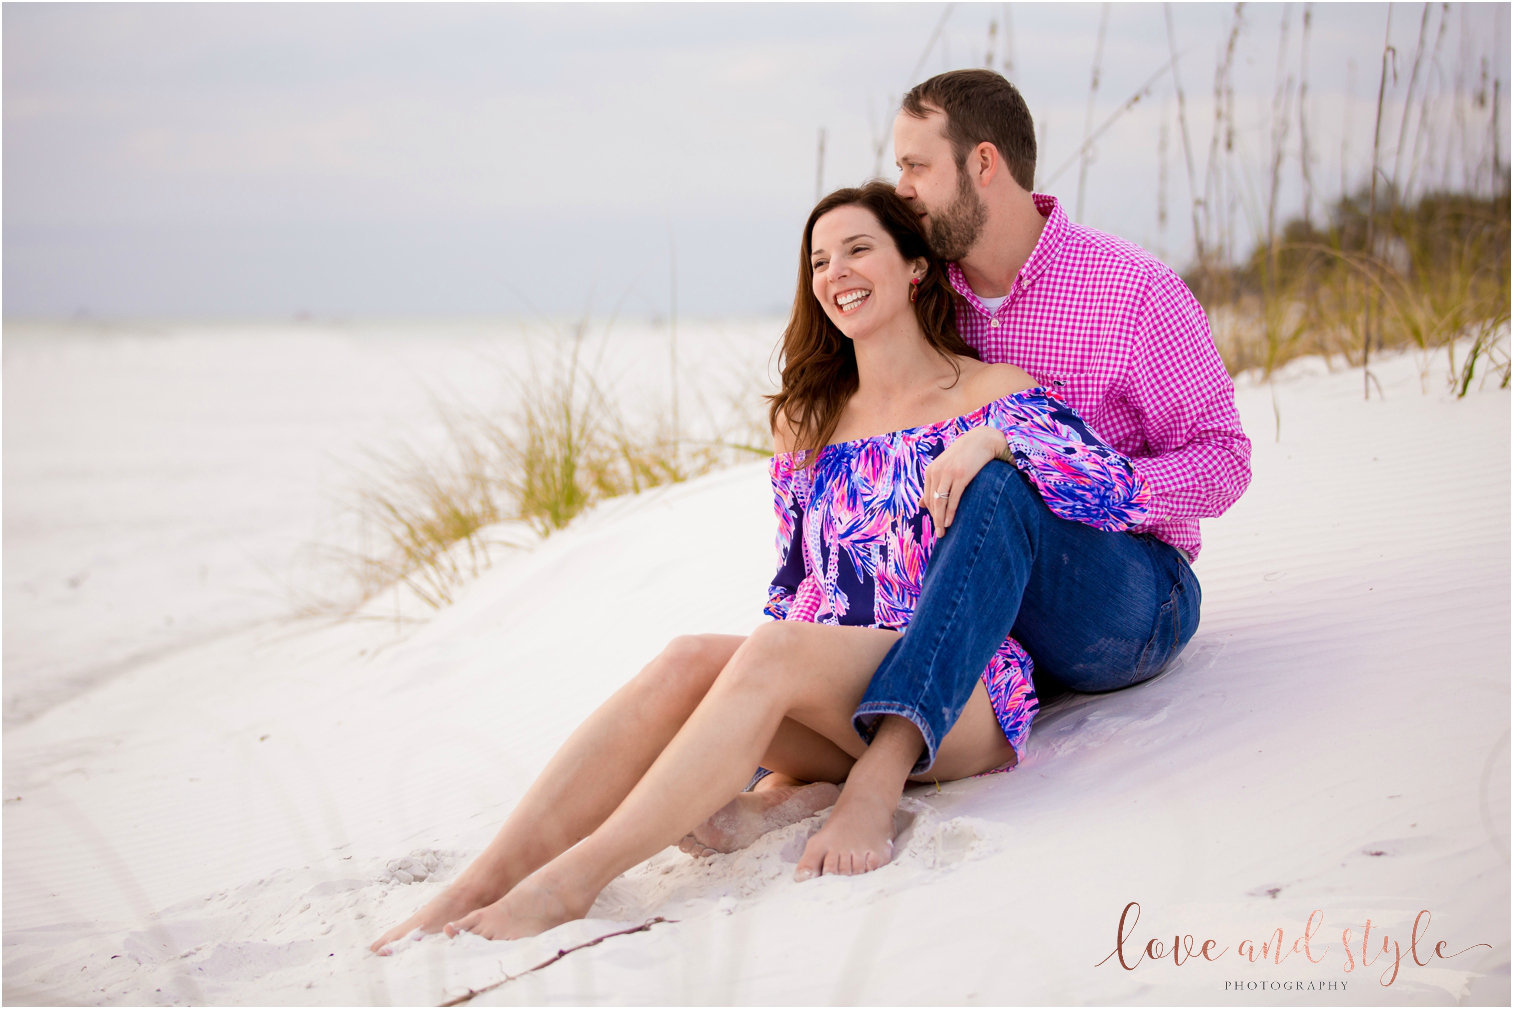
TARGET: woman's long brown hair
(818,360)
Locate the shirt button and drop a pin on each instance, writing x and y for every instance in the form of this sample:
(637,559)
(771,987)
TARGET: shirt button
(995,323)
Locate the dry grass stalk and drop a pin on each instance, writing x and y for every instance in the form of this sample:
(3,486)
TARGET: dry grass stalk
(1424,117)
(1218,244)
(1162,141)
(1092,96)
(473,993)
(1280,121)
(1492,128)
(1402,129)
(1187,147)
(672,309)
(1277,320)
(1008,42)
(1140,93)
(1305,156)
(1389,55)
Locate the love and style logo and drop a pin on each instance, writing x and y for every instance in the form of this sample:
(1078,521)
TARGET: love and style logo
(1360,948)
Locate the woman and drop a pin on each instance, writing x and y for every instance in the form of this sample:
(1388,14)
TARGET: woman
(883,418)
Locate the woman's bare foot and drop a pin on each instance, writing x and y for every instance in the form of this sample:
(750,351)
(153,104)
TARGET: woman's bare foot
(857,837)
(450,905)
(532,907)
(751,814)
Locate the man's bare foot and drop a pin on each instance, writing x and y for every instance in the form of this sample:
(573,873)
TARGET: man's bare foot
(532,907)
(751,814)
(450,905)
(857,837)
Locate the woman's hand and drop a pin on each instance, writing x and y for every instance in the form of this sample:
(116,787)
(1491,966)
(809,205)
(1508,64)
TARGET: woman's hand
(947,477)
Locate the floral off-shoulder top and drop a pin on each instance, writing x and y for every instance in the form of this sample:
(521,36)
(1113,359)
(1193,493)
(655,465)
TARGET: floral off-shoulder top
(854,535)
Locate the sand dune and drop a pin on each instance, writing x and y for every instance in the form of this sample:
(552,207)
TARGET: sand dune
(232,823)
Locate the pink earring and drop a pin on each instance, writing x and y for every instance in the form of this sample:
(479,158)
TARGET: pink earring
(913,290)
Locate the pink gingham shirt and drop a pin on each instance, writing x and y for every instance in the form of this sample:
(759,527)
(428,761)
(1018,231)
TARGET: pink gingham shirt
(1115,333)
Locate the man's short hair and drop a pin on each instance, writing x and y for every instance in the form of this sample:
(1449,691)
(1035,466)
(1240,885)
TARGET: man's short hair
(980,105)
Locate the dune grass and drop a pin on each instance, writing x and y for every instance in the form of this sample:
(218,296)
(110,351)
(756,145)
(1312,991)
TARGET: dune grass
(1430,276)
(428,521)
(1416,256)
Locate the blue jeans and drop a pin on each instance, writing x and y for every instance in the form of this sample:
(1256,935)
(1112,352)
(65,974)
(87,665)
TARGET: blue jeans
(1095,610)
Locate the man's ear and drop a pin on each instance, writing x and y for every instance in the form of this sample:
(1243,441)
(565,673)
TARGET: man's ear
(985,163)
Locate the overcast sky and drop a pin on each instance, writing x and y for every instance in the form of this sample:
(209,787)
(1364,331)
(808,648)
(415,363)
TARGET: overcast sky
(358,160)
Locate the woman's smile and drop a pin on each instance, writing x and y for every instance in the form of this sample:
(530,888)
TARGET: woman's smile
(850,301)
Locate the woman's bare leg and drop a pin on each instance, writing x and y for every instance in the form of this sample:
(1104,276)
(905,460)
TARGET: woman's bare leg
(585,780)
(813,675)
(858,836)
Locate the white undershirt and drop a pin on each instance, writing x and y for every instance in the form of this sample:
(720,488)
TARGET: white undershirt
(991,304)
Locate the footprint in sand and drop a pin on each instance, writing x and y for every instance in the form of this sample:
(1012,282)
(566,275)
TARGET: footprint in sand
(928,840)
(420,864)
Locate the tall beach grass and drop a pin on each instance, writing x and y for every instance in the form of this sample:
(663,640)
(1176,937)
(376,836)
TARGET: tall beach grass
(1416,255)
(425,521)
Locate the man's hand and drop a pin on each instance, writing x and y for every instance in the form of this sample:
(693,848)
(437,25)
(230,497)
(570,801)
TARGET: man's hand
(947,477)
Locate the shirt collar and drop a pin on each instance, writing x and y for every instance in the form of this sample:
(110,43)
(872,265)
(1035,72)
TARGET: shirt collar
(1050,241)
(1051,238)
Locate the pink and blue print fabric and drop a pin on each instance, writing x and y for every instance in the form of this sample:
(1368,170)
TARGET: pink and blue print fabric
(854,536)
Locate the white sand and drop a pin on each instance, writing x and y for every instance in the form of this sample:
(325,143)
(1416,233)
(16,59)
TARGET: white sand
(234,821)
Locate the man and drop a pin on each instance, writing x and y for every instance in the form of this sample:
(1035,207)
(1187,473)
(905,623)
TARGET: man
(1116,334)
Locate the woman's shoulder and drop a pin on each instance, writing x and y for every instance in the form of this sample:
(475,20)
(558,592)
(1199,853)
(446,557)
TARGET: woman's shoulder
(988,383)
(784,434)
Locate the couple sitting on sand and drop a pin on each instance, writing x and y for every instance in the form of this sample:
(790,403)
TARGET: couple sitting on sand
(917,485)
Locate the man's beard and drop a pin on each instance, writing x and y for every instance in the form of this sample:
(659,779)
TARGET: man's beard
(956,229)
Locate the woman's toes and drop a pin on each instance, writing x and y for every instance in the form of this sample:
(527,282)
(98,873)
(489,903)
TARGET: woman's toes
(384,945)
(691,845)
(812,861)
